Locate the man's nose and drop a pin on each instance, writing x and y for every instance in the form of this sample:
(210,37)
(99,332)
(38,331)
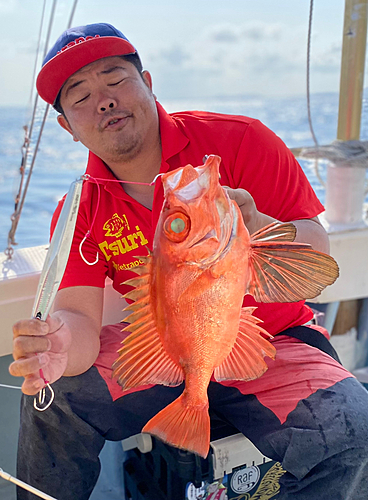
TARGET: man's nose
(107,104)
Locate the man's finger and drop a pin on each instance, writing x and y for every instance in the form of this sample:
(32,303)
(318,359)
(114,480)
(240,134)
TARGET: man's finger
(30,327)
(32,385)
(24,346)
(60,340)
(28,366)
(54,323)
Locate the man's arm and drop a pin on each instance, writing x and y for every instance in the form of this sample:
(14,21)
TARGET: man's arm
(66,344)
(308,230)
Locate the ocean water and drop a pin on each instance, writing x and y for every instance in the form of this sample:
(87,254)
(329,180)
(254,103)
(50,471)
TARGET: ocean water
(60,160)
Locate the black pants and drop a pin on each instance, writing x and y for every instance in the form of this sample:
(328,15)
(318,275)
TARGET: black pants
(322,442)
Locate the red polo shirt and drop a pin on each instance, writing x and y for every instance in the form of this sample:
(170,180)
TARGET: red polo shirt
(253,158)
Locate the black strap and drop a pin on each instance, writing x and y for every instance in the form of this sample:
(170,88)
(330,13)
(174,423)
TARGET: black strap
(312,337)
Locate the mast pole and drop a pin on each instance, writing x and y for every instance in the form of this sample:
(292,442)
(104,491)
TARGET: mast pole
(352,70)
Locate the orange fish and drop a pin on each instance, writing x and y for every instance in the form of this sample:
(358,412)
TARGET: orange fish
(187,321)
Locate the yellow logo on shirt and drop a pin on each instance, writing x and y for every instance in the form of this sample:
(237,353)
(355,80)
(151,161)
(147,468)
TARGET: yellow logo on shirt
(116,225)
(122,245)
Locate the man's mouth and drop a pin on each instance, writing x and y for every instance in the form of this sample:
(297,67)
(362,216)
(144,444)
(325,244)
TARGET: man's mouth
(111,122)
(115,122)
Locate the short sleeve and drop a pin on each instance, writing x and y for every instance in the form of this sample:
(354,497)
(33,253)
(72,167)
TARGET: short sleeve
(77,272)
(269,171)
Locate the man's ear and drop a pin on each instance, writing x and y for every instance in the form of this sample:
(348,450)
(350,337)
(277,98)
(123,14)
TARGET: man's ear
(147,78)
(63,122)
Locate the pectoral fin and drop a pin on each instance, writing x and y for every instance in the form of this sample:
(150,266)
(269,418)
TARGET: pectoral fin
(286,271)
(276,231)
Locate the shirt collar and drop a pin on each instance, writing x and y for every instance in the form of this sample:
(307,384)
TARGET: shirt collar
(173,138)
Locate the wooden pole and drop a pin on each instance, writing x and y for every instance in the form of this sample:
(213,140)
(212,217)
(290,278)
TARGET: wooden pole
(348,129)
(352,69)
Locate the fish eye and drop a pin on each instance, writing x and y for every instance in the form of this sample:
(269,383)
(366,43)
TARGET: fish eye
(177,226)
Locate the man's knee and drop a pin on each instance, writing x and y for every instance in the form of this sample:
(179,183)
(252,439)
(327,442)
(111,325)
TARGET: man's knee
(327,423)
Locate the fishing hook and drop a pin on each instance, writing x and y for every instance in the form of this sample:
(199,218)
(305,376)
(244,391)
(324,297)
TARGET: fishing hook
(81,253)
(42,398)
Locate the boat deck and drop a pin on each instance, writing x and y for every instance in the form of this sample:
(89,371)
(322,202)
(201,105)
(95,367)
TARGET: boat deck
(9,418)
(110,485)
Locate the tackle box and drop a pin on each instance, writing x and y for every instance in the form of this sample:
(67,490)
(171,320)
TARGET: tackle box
(234,469)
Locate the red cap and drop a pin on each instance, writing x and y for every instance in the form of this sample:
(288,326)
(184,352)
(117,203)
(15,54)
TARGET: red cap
(76,48)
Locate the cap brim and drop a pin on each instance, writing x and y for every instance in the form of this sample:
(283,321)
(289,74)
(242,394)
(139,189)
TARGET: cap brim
(56,71)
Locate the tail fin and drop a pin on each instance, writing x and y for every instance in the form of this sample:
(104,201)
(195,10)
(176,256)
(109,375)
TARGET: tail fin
(183,426)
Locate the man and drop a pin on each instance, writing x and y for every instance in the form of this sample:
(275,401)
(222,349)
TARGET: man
(306,411)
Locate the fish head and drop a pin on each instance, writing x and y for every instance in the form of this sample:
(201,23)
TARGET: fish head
(196,220)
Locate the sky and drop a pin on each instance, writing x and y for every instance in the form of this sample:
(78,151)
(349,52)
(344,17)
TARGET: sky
(192,48)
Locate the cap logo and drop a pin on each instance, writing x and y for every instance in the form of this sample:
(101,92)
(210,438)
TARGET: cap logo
(76,41)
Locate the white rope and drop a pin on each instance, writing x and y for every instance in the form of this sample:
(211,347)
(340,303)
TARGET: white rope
(22,192)
(341,153)
(10,386)
(25,486)
(72,14)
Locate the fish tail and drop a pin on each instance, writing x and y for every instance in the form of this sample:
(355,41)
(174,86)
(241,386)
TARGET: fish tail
(182,426)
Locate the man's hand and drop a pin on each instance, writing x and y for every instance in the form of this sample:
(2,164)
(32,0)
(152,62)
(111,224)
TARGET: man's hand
(40,344)
(308,231)
(253,219)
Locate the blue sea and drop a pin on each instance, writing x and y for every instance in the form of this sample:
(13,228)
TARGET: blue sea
(60,160)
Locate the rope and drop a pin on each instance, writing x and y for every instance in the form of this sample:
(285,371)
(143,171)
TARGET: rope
(316,169)
(341,153)
(37,53)
(72,14)
(308,72)
(10,386)
(25,486)
(22,192)
(25,149)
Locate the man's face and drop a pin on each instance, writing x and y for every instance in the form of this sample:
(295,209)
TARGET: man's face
(110,109)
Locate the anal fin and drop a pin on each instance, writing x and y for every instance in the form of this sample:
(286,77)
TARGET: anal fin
(246,360)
